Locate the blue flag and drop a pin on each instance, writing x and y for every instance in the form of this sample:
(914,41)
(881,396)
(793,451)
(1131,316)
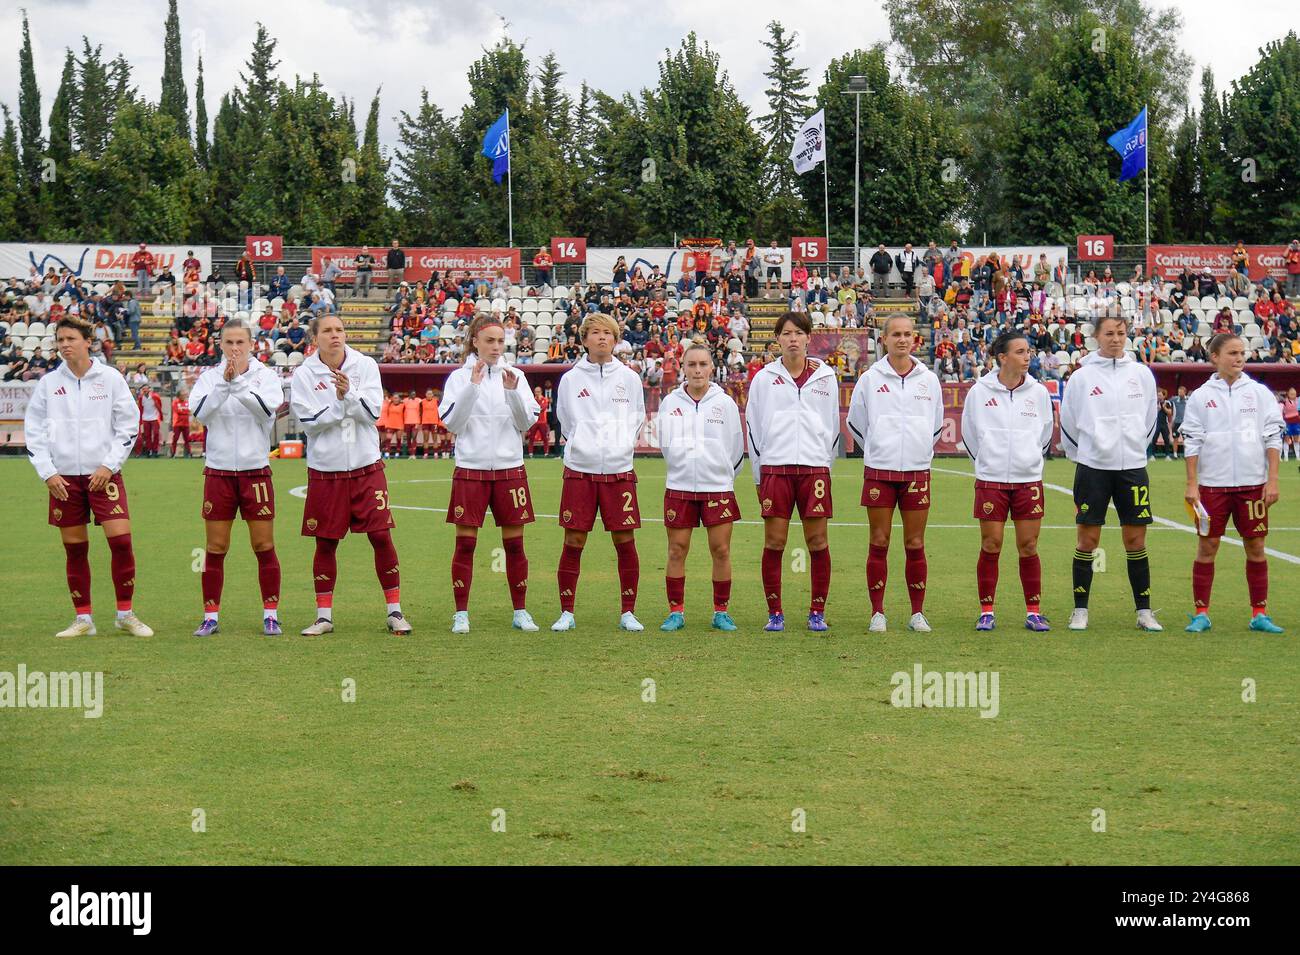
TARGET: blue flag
(1131,144)
(496,146)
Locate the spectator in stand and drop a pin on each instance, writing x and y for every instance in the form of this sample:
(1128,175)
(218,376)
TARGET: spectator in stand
(246,271)
(1223,322)
(133,318)
(1237,283)
(279,284)
(37,366)
(907,261)
(142,264)
(137,378)
(365,264)
(1196,352)
(395,267)
(1292,259)
(1206,283)
(543,264)
(1240,259)
(799,281)
(881,264)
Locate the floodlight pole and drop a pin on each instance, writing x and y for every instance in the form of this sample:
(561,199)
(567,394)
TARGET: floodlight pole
(857,86)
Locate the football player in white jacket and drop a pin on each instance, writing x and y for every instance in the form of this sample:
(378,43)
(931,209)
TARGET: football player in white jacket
(600,404)
(793,419)
(1006,425)
(896,414)
(703,448)
(237,400)
(489,408)
(80,426)
(1108,415)
(336,395)
(1233,432)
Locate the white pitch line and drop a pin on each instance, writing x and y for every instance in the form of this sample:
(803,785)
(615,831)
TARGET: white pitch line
(1171,525)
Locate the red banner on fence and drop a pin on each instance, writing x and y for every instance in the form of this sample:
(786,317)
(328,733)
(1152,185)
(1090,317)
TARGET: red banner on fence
(423,262)
(1166,261)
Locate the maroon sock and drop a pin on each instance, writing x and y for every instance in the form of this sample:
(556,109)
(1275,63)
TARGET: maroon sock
(676,587)
(1257,585)
(772,578)
(820,567)
(462,570)
(516,571)
(1203,583)
(324,569)
(1031,582)
(567,575)
(721,595)
(916,570)
(78,569)
(268,577)
(390,578)
(123,566)
(986,579)
(877,574)
(214,578)
(629,573)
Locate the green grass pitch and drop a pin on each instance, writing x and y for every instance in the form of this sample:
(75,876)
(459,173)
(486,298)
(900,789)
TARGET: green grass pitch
(745,729)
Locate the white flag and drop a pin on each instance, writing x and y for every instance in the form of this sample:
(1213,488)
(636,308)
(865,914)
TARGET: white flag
(810,143)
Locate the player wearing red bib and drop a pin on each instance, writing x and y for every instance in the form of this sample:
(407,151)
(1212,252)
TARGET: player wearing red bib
(181,422)
(1006,425)
(896,414)
(237,400)
(793,420)
(80,426)
(489,407)
(703,448)
(1233,433)
(601,408)
(337,395)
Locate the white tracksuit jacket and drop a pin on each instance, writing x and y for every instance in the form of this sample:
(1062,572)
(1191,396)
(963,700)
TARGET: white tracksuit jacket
(1007,431)
(897,418)
(1230,430)
(238,414)
(1108,413)
(77,425)
(701,440)
(792,426)
(601,410)
(342,435)
(488,419)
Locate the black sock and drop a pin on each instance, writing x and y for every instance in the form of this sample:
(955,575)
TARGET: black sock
(1082,578)
(1139,578)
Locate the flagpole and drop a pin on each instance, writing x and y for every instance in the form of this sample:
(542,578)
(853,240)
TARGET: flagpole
(510,197)
(826,195)
(1146,168)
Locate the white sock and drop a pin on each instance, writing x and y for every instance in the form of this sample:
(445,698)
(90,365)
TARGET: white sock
(84,617)
(209,615)
(395,608)
(268,614)
(123,614)
(324,613)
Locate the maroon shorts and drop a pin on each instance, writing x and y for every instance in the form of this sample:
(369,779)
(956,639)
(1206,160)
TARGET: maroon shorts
(1244,504)
(784,487)
(506,492)
(613,494)
(910,490)
(995,501)
(83,504)
(693,509)
(250,494)
(342,501)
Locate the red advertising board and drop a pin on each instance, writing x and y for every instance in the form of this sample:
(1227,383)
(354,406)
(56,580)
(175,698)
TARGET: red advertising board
(809,248)
(569,250)
(265,248)
(1167,261)
(1096,248)
(423,262)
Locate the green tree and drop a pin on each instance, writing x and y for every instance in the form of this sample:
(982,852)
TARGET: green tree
(1211,161)
(427,175)
(92,110)
(10,174)
(200,119)
(1262,143)
(784,213)
(1187,201)
(59,214)
(29,115)
(175,100)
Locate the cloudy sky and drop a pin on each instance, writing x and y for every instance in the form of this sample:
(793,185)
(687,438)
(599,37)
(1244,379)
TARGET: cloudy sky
(401,45)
